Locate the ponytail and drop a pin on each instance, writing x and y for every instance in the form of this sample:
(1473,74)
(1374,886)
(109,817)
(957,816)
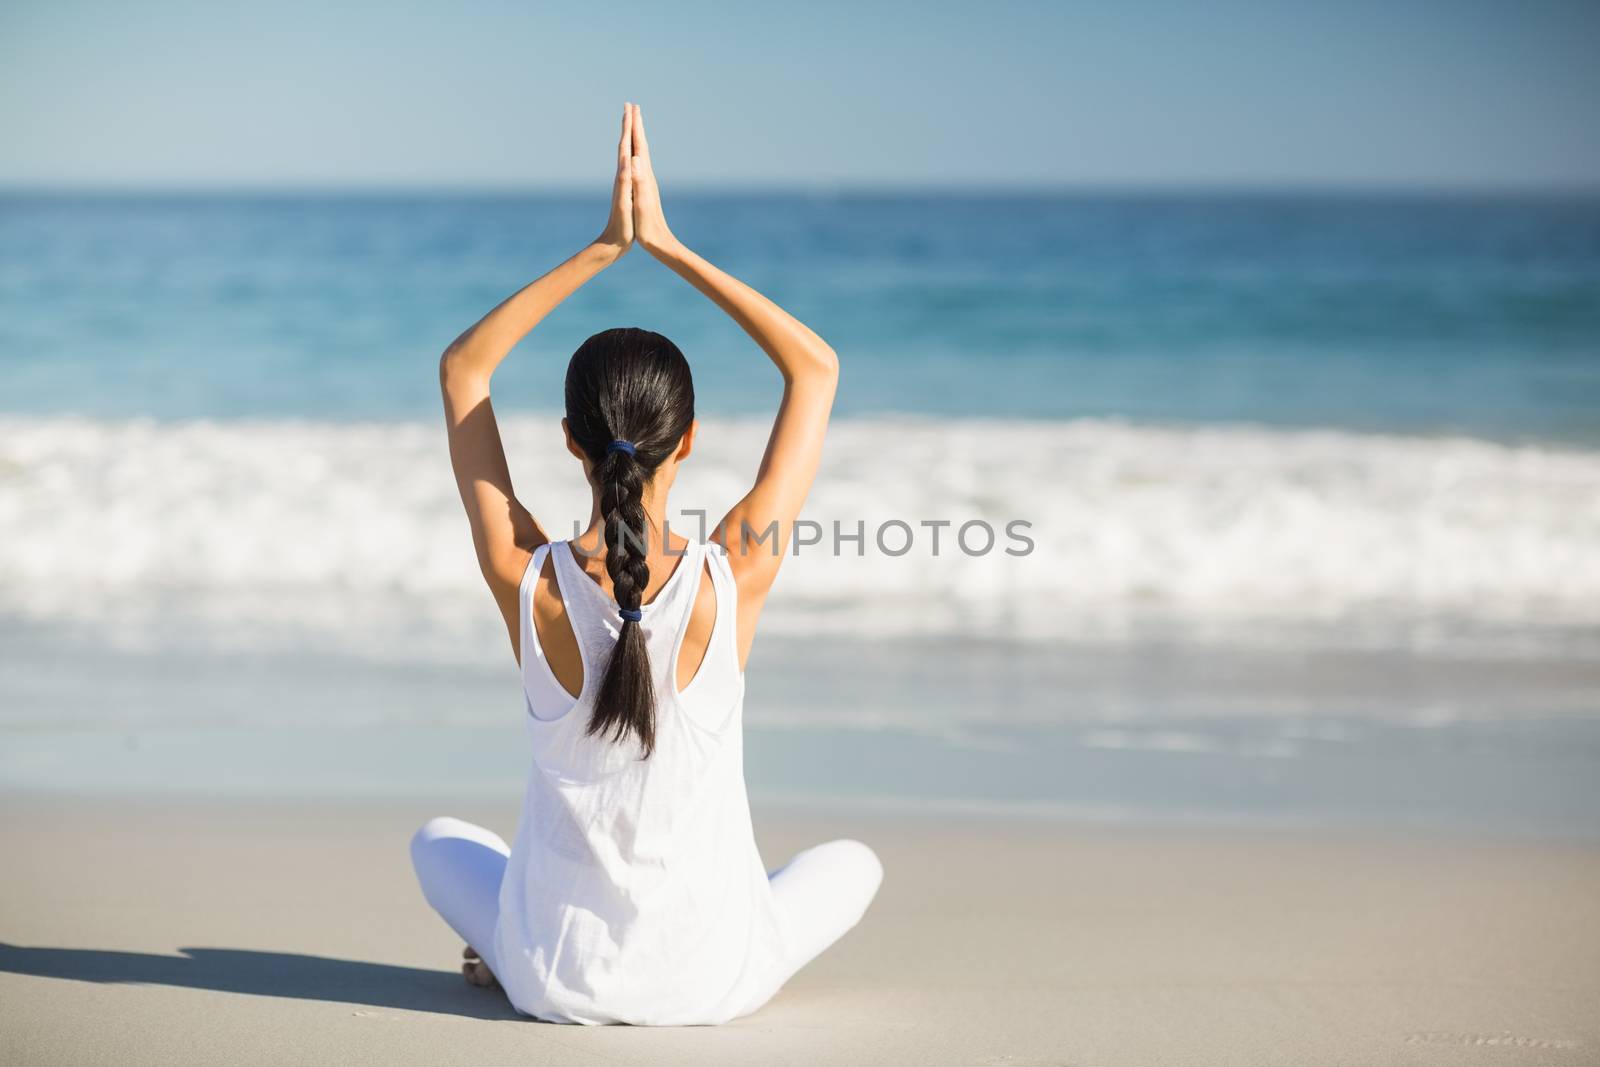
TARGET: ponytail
(627,700)
(630,400)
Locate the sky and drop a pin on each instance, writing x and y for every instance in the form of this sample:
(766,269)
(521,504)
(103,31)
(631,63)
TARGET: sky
(1138,94)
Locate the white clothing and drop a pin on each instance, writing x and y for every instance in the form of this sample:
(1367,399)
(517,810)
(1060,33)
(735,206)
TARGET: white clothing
(634,892)
(818,895)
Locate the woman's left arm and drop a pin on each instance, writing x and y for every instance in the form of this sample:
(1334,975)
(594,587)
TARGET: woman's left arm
(504,533)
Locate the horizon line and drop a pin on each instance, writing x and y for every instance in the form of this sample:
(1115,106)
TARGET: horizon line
(1263,189)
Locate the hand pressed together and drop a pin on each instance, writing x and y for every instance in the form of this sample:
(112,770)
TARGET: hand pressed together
(649,223)
(635,197)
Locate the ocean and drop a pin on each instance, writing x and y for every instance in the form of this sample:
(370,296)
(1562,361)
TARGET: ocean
(1226,508)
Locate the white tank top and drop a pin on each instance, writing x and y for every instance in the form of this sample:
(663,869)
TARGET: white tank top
(634,892)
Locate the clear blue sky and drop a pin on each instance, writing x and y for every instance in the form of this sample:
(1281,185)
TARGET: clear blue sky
(1405,92)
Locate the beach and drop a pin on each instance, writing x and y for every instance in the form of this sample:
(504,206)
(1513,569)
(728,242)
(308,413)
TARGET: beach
(1179,425)
(148,932)
(1198,611)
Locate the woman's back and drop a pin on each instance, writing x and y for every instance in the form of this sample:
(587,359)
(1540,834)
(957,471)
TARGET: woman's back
(635,891)
(558,644)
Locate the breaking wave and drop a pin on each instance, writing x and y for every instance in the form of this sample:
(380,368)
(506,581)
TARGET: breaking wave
(313,523)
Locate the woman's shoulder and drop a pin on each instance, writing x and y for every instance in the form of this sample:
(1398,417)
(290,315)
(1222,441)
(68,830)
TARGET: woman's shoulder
(714,554)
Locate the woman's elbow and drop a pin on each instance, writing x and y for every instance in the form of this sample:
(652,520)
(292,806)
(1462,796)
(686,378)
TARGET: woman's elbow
(816,367)
(824,362)
(453,366)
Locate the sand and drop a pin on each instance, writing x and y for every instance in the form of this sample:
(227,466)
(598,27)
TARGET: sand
(144,932)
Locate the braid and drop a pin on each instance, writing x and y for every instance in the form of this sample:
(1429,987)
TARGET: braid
(627,699)
(630,401)
(622,484)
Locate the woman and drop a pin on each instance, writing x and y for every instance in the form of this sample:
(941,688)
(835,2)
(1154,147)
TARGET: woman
(634,892)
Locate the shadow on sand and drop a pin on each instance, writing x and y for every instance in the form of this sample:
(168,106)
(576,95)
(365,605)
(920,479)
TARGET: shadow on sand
(267,974)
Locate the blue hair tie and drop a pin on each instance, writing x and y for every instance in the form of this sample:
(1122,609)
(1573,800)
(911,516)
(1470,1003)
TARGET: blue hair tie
(621,446)
(630,614)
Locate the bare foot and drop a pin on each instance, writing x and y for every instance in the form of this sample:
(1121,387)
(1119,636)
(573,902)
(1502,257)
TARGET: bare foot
(476,972)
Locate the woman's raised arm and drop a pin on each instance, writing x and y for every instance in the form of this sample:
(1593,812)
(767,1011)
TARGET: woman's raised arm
(503,531)
(757,530)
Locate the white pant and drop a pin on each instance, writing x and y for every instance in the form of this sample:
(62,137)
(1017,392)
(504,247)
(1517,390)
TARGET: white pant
(819,894)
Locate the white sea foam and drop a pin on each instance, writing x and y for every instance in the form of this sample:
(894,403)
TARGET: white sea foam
(306,522)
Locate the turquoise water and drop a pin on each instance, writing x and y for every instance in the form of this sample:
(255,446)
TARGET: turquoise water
(1314,486)
(1411,314)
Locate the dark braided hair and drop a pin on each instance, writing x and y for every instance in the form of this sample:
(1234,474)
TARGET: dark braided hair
(633,386)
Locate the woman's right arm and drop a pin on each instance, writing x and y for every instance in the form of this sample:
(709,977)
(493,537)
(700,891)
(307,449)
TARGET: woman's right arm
(504,532)
(756,531)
